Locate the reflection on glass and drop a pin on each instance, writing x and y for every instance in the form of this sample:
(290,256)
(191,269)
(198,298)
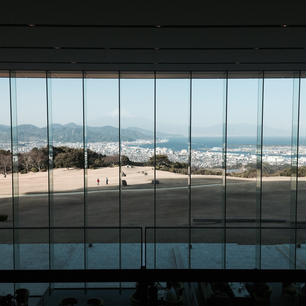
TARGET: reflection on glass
(34,248)
(240,248)
(171,248)
(68,253)
(300,255)
(275,251)
(207,248)
(103,251)
(132,249)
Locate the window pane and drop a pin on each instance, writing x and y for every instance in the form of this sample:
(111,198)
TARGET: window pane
(67,131)
(277,152)
(207,157)
(241,169)
(172,121)
(103,149)
(137,142)
(207,197)
(32,148)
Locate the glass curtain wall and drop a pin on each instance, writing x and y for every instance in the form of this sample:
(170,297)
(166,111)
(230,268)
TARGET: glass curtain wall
(206,167)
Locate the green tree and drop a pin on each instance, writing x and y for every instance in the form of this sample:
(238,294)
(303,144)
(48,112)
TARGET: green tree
(162,160)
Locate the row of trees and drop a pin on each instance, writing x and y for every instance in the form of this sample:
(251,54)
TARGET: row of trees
(249,171)
(64,157)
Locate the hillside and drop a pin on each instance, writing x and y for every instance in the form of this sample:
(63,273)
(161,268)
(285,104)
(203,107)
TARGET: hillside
(72,132)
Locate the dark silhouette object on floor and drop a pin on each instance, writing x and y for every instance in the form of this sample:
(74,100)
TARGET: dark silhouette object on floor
(145,295)
(260,292)
(7,300)
(69,302)
(95,302)
(22,297)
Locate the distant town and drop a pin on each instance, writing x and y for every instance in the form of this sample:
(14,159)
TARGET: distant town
(205,158)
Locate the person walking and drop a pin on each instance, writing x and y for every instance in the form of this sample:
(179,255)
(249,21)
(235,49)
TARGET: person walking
(98,181)
(106,180)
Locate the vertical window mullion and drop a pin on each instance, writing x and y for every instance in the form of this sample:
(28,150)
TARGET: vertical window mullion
(225,116)
(189,170)
(50,170)
(85,168)
(119,157)
(154,174)
(259,152)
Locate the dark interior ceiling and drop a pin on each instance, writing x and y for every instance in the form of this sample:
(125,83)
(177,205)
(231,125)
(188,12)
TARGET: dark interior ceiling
(156,35)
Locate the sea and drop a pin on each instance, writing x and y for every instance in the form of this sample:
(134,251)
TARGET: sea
(204,143)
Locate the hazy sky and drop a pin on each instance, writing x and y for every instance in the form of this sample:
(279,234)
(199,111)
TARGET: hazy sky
(137,103)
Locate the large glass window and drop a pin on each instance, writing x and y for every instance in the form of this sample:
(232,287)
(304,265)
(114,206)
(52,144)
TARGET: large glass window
(118,170)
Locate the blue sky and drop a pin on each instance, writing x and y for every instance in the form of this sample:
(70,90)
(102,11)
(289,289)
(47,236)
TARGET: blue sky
(137,97)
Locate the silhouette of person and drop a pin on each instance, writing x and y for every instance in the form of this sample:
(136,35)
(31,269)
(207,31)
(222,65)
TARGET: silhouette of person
(98,181)
(106,180)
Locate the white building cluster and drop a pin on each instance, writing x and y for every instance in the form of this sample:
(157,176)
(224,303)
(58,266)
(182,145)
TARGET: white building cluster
(204,158)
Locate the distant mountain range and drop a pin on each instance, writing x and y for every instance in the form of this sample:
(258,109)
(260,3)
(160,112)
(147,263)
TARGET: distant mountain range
(72,132)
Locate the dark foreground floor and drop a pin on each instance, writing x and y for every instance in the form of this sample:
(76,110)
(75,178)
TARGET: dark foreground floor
(172,206)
